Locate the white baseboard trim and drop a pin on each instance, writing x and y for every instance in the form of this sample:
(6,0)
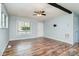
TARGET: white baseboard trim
(25,38)
(59,40)
(4,47)
(45,37)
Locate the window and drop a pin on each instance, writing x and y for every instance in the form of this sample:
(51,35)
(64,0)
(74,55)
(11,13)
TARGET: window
(4,21)
(24,27)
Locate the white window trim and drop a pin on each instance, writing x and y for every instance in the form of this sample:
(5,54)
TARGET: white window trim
(24,32)
(3,21)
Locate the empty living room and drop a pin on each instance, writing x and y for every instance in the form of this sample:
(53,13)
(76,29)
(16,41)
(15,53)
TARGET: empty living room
(39,29)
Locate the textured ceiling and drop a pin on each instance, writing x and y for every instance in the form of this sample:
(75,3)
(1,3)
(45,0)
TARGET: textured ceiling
(27,10)
(74,7)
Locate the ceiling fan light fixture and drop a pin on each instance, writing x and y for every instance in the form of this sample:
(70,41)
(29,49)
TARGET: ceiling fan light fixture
(39,15)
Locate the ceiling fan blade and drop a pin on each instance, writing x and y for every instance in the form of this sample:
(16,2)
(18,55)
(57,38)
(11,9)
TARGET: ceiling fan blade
(42,11)
(44,14)
(36,12)
(39,11)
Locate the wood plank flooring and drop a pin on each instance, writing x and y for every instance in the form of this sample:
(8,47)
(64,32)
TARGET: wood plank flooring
(40,47)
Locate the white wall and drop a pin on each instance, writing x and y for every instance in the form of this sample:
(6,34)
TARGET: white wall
(40,29)
(0,14)
(4,36)
(36,28)
(75,28)
(64,30)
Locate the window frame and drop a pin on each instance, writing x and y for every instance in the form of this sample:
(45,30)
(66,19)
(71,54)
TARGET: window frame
(23,32)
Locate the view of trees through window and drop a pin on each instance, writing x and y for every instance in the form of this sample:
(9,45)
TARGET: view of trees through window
(24,26)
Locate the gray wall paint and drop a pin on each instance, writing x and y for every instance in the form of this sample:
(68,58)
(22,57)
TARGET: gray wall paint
(67,24)
(14,35)
(64,26)
(4,36)
(75,28)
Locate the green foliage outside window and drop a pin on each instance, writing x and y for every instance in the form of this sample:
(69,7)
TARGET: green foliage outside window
(25,28)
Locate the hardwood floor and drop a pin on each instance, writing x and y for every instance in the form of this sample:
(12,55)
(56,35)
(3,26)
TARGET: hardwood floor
(40,47)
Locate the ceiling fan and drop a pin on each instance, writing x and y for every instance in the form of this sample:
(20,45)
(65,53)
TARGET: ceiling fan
(39,13)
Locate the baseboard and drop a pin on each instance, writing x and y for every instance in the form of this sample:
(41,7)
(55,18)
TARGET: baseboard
(43,37)
(1,53)
(71,43)
(25,38)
